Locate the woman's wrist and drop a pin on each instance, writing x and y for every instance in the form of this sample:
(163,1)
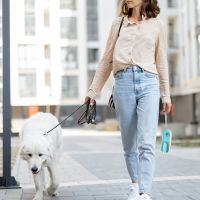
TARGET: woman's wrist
(166,100)
(91,94)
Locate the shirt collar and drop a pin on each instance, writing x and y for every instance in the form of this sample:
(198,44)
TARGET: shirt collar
(127,22)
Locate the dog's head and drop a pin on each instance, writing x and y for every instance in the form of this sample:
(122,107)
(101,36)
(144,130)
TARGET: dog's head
(36,152)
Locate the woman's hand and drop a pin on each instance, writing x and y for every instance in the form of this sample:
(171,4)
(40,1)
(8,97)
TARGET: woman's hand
(167,107)
(91,101)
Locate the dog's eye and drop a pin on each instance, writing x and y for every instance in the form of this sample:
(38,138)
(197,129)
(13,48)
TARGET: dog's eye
(30,155)
(40,154)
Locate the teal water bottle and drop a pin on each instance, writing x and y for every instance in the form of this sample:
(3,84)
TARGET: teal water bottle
(166,138)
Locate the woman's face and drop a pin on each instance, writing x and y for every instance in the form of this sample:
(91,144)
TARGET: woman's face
(134,3)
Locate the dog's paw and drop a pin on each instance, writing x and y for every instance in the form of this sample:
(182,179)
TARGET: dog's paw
(38,197)
(52,191)
(35,198)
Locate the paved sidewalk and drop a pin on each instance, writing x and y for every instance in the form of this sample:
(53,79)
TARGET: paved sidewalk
(93,168)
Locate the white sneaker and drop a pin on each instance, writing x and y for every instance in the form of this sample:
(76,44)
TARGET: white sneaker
(134,192)
(145,197)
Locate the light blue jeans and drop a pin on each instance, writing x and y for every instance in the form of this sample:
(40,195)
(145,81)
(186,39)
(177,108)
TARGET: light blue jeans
(136,96)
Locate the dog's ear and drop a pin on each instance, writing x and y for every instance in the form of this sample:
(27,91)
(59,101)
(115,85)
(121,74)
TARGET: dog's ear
(50,150)
(21,151)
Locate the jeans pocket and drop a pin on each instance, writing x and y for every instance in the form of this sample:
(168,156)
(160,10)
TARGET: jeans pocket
(118,75)
(150,74)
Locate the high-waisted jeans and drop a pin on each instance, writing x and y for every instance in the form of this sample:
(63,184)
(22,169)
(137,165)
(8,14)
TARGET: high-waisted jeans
(136,96)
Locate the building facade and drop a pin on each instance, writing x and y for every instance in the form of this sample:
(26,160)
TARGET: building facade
(55,50)
(182,18)
(1,58)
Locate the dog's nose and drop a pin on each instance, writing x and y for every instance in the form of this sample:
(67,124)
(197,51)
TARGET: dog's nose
(34,169)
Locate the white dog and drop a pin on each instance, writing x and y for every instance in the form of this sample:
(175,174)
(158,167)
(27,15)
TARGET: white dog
(41,150)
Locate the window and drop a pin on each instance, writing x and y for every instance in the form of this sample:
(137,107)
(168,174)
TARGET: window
(46,17)
(68,4)
(29,24)
(27,85)
(198,34)
(1,64)
(69,87)
(172,3)
(198,53)
(1,32)
(92,20)
(47,51)
(27,56)
(29,17)
(93,56)
(68,29)
(1,95)
(69,58)
(198,12)
(48,82)
(173,36)
(46,13)
(173,75)
(29,5)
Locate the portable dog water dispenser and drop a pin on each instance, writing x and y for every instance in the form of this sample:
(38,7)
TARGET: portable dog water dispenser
(166,138)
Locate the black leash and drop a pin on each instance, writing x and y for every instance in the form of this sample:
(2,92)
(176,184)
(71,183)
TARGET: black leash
(88,116)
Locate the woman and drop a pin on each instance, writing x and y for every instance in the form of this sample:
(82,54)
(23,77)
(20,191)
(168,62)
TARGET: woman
(138,58)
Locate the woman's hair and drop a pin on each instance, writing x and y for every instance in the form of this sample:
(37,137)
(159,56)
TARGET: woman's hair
(149,8)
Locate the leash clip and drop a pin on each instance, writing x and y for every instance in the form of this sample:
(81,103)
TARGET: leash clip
(46,133)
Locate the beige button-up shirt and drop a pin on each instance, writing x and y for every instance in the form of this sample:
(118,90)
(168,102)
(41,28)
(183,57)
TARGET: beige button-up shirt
(143,43)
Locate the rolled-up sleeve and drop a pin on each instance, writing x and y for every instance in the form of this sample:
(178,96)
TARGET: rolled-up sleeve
(105,65)
(162,64)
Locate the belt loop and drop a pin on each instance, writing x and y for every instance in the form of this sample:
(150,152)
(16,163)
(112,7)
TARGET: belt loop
(138,68)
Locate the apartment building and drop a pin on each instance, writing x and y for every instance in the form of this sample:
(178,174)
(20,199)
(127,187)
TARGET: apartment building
(1,59)
(182,18)
(55,49)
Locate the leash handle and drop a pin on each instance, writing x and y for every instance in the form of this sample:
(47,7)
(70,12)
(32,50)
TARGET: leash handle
(89,115)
